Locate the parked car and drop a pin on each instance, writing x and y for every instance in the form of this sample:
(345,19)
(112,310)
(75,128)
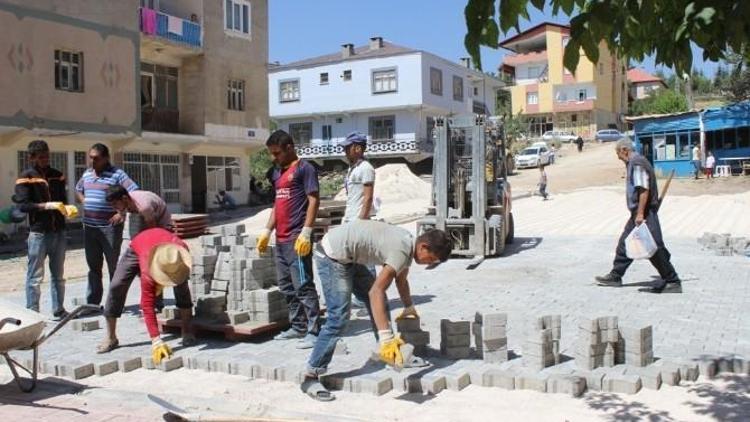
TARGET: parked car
(561,135)
(607,135)
(533,157)
(549,147)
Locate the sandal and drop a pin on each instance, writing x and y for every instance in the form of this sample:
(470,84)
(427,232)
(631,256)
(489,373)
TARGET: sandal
(188,340)
(107,346)
(313,388)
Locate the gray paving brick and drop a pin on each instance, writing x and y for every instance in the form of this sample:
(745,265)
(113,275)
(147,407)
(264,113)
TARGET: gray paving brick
(170,364)
(433,383)
(129,364)
(499,378)
(105,368)
(621,383)
(566,384)
(75,371)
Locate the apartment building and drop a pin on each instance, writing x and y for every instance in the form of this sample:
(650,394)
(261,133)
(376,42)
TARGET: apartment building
(176,88)
(549,96)
(390,92)
(642,84)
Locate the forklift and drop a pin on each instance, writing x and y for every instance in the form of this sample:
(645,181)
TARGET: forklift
(471,197)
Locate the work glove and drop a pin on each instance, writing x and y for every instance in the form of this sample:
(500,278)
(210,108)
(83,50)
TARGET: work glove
(55,206)
(159,350)
(71,211)
(409,312)
(262,243)
(303,245)
(390,348)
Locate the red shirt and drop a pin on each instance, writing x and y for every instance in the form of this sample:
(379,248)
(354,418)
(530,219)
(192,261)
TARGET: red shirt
(292,185)
(142,244)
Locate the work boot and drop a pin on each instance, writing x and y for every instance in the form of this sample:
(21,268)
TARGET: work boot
(60,315)
(611,279)
(669,287)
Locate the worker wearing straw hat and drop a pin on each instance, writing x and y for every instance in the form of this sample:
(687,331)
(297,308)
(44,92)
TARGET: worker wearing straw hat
(163,261)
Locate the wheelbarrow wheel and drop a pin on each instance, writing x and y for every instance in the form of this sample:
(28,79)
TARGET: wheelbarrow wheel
(14,365)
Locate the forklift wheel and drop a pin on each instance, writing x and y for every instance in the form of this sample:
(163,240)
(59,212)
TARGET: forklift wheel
(511,230)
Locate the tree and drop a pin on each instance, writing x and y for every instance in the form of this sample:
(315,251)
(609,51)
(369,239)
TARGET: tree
(632,29)
(663,101)
(260,162)
(738,86)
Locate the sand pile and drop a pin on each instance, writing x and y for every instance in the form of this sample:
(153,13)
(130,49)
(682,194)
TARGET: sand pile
(399,193)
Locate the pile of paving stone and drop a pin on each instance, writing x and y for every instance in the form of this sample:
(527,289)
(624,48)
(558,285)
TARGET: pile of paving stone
(724,244)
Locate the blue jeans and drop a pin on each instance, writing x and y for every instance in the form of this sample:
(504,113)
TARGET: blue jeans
(338,282)
(40,246)
(100,243)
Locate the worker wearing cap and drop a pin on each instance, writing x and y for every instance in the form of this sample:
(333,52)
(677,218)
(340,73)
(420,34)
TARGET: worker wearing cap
(163,261)
(360,179)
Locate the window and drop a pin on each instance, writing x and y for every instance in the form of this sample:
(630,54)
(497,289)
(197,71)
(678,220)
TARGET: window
(236,95)
(289,91)
(384,81)
(79,160)
(155,172)
(382,127)
(532,98)
(324,78)
(730,140)
(532,72)
(69,71)
(347,75)
(151,4)
(158,86)
(301,132)
(686,148)
(582,95)
(436,81)
(237,16)
(743,137)
(326,136)
(561,96)
(573,117)
(476,91)
(57,160)
(223,173)
(601,68)
(458,88)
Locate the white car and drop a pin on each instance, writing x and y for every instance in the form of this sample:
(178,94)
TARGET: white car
(533,157)
(562,135)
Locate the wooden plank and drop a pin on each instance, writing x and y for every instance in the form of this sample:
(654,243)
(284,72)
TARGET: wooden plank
(239,332)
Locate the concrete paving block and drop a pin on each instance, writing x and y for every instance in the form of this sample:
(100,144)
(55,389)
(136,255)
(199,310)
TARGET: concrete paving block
(457,380)
(433,383)
(594,379)
(417,338)
(375,384)
(456,340)
(332,381)
(147,362)
(639,359)
(491,333)
(238,317)
(78,301)
(129,364)
(170,312)
(566,384)
(170,364)
(499,378)
(460,352)
(670,373)
(650,376)
(740,365)
(89,324)
(495,356)
(408,325)
(622,383)
(450,328)
(531,381)
(491,320)
(105,368)
(725,364)
(75,371)
(707,366)
(590,325)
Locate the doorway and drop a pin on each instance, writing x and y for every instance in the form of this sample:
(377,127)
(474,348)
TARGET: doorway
(199,183)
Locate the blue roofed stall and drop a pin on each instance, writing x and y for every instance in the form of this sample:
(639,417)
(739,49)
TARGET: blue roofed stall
(667,140)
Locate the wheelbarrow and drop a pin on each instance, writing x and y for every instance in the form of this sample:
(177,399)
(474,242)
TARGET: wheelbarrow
(23,329)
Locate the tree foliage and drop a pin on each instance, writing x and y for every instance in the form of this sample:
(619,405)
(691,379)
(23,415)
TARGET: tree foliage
(737,86)
(663,101)
(260,162)
(632,29)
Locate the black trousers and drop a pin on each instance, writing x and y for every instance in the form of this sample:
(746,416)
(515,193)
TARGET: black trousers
(661,258)
(295,277)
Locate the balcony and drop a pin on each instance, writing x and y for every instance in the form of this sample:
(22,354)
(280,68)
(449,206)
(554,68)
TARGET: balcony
(375,148)
(182,33)
(154,119)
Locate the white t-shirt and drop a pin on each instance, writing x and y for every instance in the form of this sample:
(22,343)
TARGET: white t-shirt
(363,173)
(696,153)
(710,161)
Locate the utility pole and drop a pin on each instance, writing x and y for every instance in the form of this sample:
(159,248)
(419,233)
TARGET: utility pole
(688,91)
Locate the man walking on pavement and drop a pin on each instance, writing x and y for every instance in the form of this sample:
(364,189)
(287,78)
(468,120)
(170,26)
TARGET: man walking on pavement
(697,160)
(295,183)
(342,258)
(643,202)
(102,225)
(40,192)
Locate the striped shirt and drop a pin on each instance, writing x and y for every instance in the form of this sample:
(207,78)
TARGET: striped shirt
(93,187)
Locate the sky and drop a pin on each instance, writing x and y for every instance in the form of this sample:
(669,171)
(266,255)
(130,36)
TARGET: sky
(300,29)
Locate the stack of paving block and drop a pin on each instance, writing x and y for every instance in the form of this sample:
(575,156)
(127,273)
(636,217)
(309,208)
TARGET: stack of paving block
(211,306)
(412,333)
(455,339)
(636,346)
(202,273)
(490,337)
(724,244)
(266,305)
(593,344)
(542,346)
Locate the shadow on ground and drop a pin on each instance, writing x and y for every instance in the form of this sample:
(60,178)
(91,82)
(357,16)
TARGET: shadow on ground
(521,244)
(621,410)
(47,388)
(729,403)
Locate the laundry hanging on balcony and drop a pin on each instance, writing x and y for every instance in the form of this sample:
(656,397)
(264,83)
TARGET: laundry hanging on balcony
(174,25)
(148,21)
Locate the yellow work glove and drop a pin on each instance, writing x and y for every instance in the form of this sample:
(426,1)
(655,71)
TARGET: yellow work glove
(159,350)
(390,348)
(55,206)
(71,211)
(303,245)
(408,313)
(262,243)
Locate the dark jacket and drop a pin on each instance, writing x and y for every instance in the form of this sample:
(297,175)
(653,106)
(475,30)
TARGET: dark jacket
(632,193)
(36,186)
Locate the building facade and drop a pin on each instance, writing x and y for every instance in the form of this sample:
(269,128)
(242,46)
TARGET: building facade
(668,140)
(175,88)
(550,97)
(642,84)
(389,92)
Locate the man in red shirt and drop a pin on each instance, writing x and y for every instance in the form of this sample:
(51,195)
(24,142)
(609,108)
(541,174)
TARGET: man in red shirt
(163,261)
(295,183)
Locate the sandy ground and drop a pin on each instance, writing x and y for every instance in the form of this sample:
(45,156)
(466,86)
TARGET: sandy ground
(123,397)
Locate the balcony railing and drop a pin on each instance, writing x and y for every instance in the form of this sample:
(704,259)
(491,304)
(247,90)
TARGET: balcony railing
(170,27)
(160,120)
(377,148)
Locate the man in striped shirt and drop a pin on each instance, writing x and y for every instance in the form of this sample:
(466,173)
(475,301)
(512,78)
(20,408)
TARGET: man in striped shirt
(102,224)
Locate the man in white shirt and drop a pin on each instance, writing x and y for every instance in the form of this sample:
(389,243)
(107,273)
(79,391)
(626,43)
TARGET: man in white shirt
(697,160)
(360,179)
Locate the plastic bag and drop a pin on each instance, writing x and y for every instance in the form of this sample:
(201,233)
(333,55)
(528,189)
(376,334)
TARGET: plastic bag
(640,244)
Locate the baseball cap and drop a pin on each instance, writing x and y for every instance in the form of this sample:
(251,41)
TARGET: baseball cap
(354,138)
